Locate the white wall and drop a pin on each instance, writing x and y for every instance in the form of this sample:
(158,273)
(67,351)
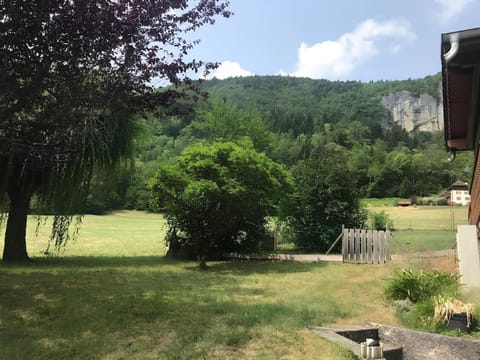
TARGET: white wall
(468,255)
(460,197)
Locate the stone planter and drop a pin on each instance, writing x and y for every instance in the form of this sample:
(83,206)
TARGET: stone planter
(460,321)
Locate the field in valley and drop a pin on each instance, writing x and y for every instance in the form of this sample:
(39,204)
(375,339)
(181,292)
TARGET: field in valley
(113,295)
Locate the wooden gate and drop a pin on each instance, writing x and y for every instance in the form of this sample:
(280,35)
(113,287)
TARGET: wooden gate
(360,246)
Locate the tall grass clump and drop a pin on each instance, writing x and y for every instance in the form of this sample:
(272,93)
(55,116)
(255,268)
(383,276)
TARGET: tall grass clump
(419,285)
(414,293)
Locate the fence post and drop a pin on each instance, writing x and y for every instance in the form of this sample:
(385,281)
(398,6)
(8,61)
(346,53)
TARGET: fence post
(357,246)
(351,246)
(369,246)
(375,247)
(364,246)
(335,243)
(388,256)
(382,247)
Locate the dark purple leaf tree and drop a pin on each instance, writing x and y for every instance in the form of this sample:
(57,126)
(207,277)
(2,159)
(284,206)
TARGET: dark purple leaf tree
(74,77)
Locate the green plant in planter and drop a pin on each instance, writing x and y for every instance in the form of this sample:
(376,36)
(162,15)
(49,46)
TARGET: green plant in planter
(416,294)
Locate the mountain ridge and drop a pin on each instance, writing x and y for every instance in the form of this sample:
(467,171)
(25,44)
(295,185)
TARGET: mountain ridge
(301,104)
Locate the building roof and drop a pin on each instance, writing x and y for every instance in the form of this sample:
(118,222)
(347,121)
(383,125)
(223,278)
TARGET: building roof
(460,75)
(458,185)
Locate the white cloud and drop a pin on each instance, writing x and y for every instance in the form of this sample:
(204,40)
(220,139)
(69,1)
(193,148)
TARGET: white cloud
(229,69)
(450,9)
(337,59)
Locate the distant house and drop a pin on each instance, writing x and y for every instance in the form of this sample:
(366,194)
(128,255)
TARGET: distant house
(459,194)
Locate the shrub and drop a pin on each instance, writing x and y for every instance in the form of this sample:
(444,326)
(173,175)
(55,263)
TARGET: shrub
(381,221)
(217,198)
(420,285)
(324,198)
(442,202)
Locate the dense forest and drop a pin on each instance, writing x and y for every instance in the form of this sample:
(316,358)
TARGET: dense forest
(289,119)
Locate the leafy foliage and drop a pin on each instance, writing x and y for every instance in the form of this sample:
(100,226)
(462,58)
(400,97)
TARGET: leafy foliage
(415,294)
(381,221)
(418,285)
(323,200)
(289,118)
(72,76)
(217,197)
(224,122)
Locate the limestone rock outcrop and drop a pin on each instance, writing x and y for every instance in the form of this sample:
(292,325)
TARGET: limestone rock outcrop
(423,113)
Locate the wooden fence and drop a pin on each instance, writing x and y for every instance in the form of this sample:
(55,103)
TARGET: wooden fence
(360,246)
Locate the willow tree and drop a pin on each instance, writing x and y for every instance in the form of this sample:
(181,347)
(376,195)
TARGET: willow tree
(72,75)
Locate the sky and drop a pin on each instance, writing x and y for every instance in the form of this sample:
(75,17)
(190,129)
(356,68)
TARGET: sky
(363,40)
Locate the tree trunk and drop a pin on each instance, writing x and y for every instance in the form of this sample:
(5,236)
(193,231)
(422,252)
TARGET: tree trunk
(202,262)
(15,248)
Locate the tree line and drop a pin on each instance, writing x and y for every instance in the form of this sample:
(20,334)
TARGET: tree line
(82,129)
(289,119)
(227,172)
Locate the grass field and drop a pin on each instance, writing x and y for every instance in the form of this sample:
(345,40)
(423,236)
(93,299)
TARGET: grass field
(417,229)
(124,233)
(424,228)
(112,295)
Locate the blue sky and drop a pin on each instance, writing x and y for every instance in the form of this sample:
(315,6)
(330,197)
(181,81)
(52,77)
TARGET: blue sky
(336,40)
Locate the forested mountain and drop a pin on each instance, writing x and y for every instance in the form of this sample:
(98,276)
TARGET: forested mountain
(290,118)
(303,105)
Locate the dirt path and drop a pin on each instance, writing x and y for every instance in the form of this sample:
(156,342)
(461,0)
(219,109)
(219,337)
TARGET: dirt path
(338,258)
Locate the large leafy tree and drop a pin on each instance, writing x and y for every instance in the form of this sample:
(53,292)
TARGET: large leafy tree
(225,122)
(217,197)
(324,199)
(72,73)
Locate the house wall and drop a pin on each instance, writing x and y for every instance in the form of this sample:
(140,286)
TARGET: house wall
(468,255)
(474,213)
(460,197)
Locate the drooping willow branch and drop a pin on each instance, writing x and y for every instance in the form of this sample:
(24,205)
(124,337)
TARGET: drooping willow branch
(60,235)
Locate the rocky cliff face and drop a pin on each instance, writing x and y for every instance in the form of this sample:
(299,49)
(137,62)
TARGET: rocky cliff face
(423,113)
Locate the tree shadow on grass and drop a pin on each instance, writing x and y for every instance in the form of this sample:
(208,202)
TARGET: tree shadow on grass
(62,306)
(92,307)
(249,267)
(92,261)
(236,267)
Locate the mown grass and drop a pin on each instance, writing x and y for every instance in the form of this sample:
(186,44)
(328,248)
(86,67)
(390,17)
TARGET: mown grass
(417,229)
(123,233)
(424,228)
(112,308)
(112,295)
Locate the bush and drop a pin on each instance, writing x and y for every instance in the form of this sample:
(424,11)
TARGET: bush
(324,198)
(381,221)
(217,198)
(442,202)
(420,285)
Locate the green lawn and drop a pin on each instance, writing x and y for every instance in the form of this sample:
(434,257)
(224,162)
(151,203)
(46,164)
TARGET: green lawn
(112,295)
(149,308)
(123,233)
(424,228)
(420,228)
